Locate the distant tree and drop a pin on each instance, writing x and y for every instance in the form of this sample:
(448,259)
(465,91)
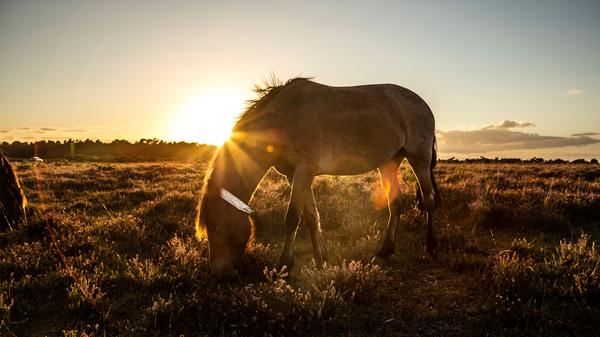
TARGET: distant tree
(118,150)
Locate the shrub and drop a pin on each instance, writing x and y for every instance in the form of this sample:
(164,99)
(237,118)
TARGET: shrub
(575,268)
(515,281)
(275,307)
(7,302)
(269,307)
(354,280)
(525,277)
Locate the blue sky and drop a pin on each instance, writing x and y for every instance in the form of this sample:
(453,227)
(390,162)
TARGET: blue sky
(123,69)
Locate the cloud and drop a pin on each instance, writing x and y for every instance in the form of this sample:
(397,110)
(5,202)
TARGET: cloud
(575,92)
(499,139)
(508,124)
(45,130)
(585,134)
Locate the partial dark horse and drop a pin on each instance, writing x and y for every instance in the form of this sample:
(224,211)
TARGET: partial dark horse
(305,129)
(12,198)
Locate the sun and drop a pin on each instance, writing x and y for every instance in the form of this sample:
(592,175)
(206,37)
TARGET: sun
(208,117)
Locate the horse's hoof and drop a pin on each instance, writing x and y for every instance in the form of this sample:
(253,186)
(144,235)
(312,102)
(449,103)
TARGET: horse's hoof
(379,261)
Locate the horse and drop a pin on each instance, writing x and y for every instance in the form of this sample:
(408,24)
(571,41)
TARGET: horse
(13,202)
(305,129)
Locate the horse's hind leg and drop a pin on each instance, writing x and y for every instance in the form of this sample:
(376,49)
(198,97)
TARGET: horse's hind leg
(311,216)
(422,168)
(389,179)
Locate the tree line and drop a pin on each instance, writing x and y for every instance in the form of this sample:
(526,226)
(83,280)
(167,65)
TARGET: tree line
(485,160)
(118,150)
(155,150)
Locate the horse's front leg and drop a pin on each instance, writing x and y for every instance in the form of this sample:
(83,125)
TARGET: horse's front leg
(301,187)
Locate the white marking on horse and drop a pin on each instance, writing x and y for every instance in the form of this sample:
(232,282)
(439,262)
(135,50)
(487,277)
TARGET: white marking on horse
(235,201)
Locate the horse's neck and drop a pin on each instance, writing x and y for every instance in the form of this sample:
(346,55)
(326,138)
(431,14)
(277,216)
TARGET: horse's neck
(239,179)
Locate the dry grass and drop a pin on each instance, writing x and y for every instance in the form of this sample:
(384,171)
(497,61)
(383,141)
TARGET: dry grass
(109,250)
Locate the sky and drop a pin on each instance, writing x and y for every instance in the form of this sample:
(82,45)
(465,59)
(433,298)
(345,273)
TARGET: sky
(503,78)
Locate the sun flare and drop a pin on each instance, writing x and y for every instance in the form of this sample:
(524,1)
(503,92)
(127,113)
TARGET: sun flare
(208,117)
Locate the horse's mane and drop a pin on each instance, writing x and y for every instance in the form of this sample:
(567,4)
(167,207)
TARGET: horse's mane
(265,92)
(201,226)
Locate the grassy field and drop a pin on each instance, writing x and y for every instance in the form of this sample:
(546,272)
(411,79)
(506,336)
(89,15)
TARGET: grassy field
(109,249)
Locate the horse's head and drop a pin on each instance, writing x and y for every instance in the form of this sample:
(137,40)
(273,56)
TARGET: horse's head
(222,215)
(238,167)
(228,230)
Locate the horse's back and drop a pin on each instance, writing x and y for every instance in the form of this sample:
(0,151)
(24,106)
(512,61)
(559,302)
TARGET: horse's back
(368,104)
(349,130)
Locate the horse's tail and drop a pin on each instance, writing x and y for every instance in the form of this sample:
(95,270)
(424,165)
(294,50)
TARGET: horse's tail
(438,199)
(418,195)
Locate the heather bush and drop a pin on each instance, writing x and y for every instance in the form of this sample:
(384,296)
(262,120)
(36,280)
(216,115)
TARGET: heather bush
(275,307)
(575,271)
(7,302)
(354,280)
(529,280)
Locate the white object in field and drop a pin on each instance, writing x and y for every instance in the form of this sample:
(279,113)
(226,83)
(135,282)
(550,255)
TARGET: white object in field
(38,159)
(235,202)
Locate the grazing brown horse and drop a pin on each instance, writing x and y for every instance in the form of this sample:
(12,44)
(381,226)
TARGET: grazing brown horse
(305,129)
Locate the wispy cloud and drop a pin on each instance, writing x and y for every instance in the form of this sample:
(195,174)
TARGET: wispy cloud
(575,92)
(45,130)
(500,137)
(508,124)
(585,134)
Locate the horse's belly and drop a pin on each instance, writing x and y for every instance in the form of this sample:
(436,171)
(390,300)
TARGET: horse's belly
(350,164)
